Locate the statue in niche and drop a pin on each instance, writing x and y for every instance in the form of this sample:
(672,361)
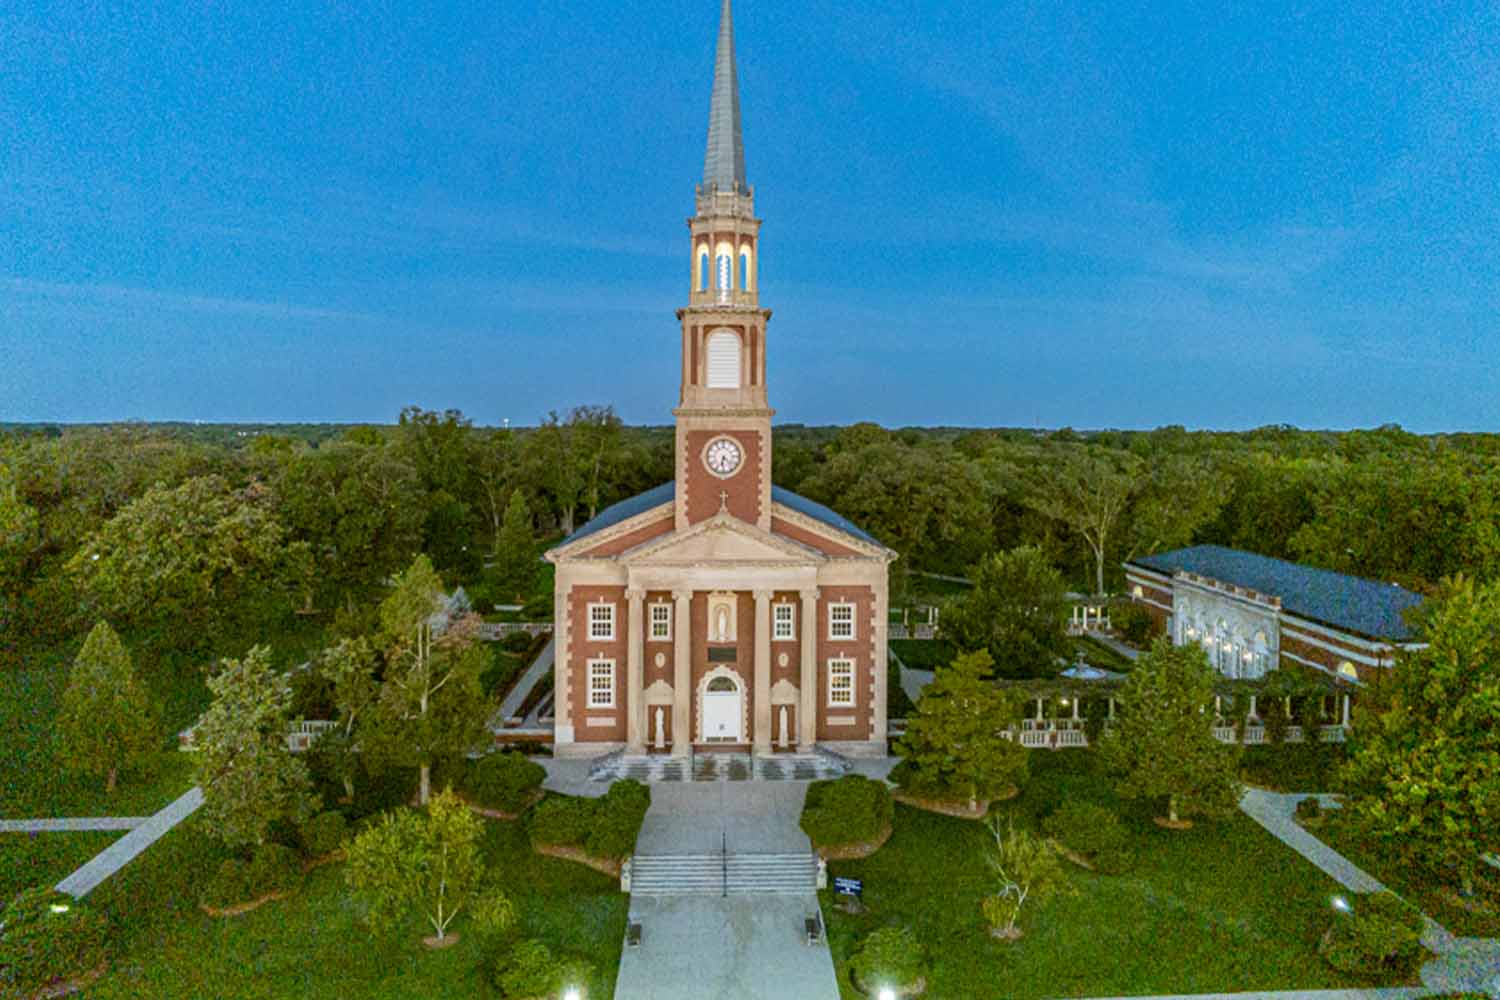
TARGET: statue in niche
(722,622)
(661,730)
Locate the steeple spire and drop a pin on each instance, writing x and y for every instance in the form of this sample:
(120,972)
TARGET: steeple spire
(724,166)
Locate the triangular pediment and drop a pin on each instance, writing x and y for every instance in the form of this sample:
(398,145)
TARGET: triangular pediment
(722,540)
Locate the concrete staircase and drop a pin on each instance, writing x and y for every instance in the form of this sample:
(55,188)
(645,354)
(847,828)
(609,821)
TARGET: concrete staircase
(721,875)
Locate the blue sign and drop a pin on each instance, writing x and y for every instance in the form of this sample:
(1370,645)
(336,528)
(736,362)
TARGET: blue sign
(849,886)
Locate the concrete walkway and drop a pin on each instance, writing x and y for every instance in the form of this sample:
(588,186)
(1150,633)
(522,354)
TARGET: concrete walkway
(1115,644)
(1275,812)
(528,680)
(1372,993)
(123,851)
(86,824)
(740,947)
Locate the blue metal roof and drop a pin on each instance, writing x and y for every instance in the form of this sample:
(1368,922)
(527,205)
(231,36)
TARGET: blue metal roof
(625,510)
(1363,607)
(667,492)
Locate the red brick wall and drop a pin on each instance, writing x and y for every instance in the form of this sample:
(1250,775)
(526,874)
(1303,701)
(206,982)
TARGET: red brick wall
(1290,643)
(805,537)
(582,649)
(858,650)
(629,541)
(703,488)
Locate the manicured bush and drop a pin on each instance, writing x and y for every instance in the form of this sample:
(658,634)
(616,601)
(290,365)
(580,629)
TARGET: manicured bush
(47,936)
(1381,935)
(503,781)
(617,820)
(1094,832)
(891,956)
(561,821)
(1309,808)
(516,642)
(532,971)
(274,868)
(230,885)
(324,834)
(851,810)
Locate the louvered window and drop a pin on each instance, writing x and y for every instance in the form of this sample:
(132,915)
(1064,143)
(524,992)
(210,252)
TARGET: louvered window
(723,360)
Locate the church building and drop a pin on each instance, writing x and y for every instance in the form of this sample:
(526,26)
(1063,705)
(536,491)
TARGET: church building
(717,611)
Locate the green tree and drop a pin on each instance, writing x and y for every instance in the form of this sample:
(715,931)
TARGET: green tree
(1026,869)
(431,705)
(1087,489)
(1179,496)
(191,555)
(19,534)
(1017,610)
(1162,744)
(954,745)
(107,722)
(348,668)
(419,862)
(1424,774)
(515,552)
(250,780)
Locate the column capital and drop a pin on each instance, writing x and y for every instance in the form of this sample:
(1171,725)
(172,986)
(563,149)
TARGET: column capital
(635,594)
(764,596)
(809,593)
(682,595)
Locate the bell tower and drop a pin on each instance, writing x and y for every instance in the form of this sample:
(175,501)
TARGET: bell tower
(723,413)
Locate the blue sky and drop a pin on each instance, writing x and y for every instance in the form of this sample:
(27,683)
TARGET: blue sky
(1128,215)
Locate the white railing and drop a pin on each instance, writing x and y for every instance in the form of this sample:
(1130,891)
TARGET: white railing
(912,631)
(1059,734)
(495,631)
(299,735)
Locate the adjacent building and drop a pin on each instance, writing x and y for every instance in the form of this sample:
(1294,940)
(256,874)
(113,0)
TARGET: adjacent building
(719,612)
(1252,613)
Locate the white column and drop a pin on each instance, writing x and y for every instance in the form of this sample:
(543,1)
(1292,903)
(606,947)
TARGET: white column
(635,652)
(1346,711)
(682,673)
(762,671)
(807,711)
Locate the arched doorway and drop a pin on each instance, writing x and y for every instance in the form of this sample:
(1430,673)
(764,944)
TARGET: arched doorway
(723,711)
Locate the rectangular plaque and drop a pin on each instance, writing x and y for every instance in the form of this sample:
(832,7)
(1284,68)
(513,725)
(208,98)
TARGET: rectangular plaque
(723,654)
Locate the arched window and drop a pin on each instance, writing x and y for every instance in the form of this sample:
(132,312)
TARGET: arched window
(723,360)
(722,684)
(1348,670)
(745,270)
(705,278)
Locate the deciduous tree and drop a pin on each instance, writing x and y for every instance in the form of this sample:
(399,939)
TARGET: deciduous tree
(1017,611)
(107,722)
(1162,743)
(1424,775)
(249,778)
(419,862)
(1026,869)
(1087,489)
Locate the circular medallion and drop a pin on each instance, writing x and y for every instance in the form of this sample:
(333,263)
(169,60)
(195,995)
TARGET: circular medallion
(723,457)
(783,660)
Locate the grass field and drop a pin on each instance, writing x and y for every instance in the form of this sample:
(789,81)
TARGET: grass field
(312,944)
(1224,907)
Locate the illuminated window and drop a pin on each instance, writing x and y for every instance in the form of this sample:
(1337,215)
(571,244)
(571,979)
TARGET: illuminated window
(784,619)
(601,684)
(661,622)
(841,683)
(841,621)
(602,622)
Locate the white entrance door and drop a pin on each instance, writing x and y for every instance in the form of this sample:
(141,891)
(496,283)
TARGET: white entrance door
(721,712)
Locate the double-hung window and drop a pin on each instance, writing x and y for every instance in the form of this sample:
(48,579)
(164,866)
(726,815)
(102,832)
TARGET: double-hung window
(601,684)
(841,621)
(841,683)
(783,622)
(602,622)
(661,622)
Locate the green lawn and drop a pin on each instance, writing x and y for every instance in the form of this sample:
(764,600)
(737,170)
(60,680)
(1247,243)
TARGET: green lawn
(924,654)
(312,946)
(1224,907)
(1100,655)
(28,860)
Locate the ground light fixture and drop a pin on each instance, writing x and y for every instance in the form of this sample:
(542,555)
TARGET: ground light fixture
(572,993)
(1341,904)
(886,993)
(59,907)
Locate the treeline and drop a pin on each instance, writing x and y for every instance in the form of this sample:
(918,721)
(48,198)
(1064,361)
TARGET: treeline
(191,524)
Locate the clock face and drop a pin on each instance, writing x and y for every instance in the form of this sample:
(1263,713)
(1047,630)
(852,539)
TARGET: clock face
(723,457)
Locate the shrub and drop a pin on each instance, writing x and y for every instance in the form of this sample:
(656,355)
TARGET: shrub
(1309,808)
(274,868)
(1086,828)
(230,885)
(891,955)
(45,936)
(852,810)
(530,970)
(503,780)
(562,821)
(617,820)
(1381,935)
(516,642)
(324,834)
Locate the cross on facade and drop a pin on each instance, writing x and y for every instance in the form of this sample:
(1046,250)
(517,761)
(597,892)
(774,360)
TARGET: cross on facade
(723,501)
